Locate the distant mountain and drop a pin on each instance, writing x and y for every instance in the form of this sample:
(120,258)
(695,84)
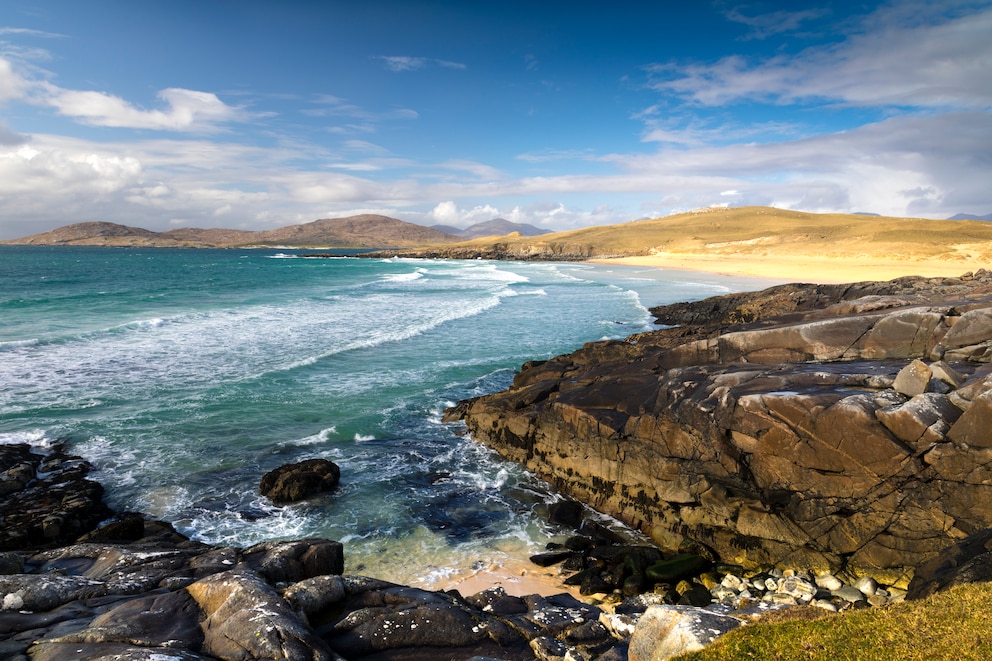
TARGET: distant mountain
(448,229)
(364,231)
(494,227)
(968,216)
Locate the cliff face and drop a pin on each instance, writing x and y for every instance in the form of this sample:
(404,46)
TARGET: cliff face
(820,427)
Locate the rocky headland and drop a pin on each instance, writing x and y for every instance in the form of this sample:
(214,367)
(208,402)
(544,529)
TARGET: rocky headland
(822,428)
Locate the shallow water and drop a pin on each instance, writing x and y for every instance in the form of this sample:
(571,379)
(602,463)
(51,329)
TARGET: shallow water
(184,375)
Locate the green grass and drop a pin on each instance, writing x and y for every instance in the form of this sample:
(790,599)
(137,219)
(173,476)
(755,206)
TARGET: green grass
(956,624)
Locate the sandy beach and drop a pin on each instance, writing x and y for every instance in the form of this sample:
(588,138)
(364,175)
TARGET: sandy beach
(799,268)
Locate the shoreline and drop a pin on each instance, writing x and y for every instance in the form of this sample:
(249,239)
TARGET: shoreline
(795,268)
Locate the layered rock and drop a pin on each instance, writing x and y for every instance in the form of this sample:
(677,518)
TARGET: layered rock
(828,428)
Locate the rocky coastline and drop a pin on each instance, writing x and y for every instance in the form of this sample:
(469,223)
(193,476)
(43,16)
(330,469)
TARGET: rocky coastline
(810,445)
(822,428)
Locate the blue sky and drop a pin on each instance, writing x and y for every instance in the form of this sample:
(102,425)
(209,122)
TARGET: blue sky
(254,115)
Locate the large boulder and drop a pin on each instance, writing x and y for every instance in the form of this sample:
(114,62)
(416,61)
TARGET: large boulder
(294,482)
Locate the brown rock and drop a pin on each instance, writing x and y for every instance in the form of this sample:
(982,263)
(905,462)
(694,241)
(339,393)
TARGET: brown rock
(913,379)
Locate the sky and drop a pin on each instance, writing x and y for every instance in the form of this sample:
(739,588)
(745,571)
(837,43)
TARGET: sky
(253,115)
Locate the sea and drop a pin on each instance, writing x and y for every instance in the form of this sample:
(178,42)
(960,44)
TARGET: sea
(184,375)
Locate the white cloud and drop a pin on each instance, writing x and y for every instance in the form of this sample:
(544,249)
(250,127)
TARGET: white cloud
(12,86)
(409,63)
(188,110)
(898,62)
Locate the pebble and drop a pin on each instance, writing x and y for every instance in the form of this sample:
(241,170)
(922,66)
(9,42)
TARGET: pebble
(849,593)
(866,585)
(825,605)
(733,582)
(13,602)
(829,582)
(798,588)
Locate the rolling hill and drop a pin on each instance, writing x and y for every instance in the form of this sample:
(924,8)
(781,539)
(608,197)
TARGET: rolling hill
(364,231)
(494,227)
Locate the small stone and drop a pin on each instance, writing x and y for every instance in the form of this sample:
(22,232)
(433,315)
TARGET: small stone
(825,605)
(721,592)
(829,582)
(733,582)
(877,600)
(866,585)
(13,602)
(780,598)
(709,579)
(849,593)
(770,584)
(802,590)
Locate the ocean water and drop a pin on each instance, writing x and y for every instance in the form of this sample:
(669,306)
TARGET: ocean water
(185,375)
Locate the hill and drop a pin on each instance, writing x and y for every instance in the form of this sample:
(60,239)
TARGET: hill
(494,227)
(762,241)
(363,231)
(971,216)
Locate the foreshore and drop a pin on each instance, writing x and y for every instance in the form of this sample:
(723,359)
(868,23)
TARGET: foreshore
(798,267)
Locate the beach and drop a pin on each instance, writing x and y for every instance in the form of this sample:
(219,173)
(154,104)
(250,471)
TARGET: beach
(799,267)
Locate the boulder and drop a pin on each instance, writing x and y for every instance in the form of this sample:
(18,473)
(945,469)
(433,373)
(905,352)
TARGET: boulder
(244,618)
(291,483)
(664,632)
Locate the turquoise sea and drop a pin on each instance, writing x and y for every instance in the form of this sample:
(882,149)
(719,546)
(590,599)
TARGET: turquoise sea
(185,375)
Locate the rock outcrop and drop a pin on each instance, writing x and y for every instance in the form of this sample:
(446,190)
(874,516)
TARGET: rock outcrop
(133,588)
(826,428)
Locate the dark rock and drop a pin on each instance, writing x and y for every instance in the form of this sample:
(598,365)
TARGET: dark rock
(45,508)
(291,483)
(289,562)
(967,561)
(677,568)
(551,558)
(566,513)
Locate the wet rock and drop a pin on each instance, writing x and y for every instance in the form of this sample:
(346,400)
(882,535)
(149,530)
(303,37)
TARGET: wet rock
(677,568)
(291,483)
